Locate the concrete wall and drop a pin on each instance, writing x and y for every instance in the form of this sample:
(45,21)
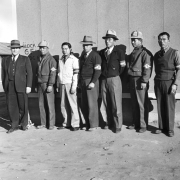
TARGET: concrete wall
(69,20)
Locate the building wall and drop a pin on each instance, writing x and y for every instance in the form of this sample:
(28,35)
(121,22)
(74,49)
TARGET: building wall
(69,20)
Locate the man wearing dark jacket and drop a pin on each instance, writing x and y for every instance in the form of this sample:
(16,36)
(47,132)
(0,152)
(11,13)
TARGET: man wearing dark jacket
(113,63)
(139,71)
(90,70)
(17,81)
(46,74)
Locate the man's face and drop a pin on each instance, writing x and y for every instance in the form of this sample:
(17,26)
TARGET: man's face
(136,42)
(43,50)
(15,51)
(110,42)
(163,41)
(87,47)
(66,50)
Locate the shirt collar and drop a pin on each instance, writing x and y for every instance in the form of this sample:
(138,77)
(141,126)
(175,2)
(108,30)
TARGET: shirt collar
(15,57)
(110,49)
(87,54)
(165,50)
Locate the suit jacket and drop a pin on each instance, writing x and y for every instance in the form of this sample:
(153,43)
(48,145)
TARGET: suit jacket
(23,73)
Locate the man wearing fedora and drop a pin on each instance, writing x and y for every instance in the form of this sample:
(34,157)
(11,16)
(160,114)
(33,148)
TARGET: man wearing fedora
(90,70)
(139,71)
(113,63)
(46,74)
(17,81)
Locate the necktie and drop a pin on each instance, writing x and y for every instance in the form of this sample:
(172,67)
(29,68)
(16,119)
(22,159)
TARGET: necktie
(107,53)
(13,59)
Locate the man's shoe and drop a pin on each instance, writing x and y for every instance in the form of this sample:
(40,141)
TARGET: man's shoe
(74,129)
(51,127)
(118,130)
(41,127)
(105,127)
(142,130)
(131,127)
(171,133)
(92,129)
(24,128)
(61,127)
(12,130)
(158,131)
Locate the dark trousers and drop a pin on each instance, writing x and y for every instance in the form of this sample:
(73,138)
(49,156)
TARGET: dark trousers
(111,107)
(165,104)
(89,103)
(46,106)
(17,106)
(139,101)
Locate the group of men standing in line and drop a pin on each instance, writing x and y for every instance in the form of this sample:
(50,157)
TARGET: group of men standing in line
(87,73)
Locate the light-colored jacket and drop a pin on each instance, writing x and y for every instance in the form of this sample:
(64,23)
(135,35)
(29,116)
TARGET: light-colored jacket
(68,71)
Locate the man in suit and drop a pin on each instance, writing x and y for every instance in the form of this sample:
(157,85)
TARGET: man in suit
(90,70)
(46,74)
(113,63)
(17,81)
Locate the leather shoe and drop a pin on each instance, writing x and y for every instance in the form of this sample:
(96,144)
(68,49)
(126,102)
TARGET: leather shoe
(92,129)
(118,130)
(158,131)
(41,127)
(131,127)
(51,127)
(142,130)
(171,133)
(12,130)
(61,127)
(74,129)
(105,127)
(24,128)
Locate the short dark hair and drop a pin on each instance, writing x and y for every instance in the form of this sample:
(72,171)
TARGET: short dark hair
(164,33)
(66,43)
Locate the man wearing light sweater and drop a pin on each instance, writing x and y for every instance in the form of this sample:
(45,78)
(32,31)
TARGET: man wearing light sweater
(66,86)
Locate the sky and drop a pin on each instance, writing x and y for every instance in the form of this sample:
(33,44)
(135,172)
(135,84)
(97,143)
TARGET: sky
(8,21)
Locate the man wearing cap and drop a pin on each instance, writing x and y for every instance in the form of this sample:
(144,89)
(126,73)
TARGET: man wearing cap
(66,84)
(139,68)
(113,63)
(90,70)
(17,81)
(167,74)
(46,74)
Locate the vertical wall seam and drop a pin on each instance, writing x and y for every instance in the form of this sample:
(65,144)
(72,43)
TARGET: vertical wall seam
(68,19)
(40,20)
(129,25)
(163,15)
(97,22)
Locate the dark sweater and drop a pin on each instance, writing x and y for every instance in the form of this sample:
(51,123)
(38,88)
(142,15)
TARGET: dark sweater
(165,65)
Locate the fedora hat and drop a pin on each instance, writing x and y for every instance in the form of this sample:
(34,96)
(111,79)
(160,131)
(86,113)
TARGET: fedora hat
(15,44)
(87,40)
(111,34)
(136,34)
(43,43)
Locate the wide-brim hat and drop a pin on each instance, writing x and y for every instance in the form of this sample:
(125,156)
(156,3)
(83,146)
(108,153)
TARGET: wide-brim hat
(136,35)
(43,43)
(110,34)
(87,40)
(15,44)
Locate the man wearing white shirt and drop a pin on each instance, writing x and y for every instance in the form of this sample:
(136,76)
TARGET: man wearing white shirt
(17,82)
(66,86)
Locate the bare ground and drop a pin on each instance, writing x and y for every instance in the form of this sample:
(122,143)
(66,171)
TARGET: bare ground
(99,155)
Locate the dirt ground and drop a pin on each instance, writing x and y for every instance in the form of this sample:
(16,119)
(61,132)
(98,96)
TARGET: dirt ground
(81,155)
